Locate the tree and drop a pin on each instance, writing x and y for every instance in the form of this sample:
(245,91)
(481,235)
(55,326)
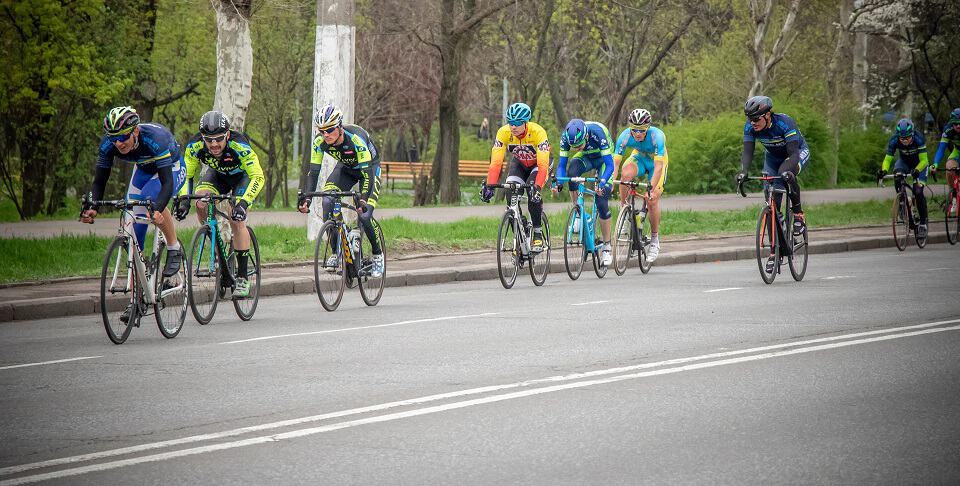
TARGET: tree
(762,16)
(234,60)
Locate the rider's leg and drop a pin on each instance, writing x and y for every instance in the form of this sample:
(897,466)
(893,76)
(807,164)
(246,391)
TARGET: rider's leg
(603,212)
(575,167)
(921,196)
(628,170)
(789,173)
(367,214)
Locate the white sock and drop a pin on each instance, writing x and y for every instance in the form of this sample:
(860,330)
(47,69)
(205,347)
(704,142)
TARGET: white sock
(175,246)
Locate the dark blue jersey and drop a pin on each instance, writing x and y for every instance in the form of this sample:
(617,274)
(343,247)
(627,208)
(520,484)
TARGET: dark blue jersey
(910,153)
(774,138)
(156,148)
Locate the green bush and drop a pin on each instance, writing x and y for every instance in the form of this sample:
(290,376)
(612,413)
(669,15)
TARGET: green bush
(705,155)
(861,153)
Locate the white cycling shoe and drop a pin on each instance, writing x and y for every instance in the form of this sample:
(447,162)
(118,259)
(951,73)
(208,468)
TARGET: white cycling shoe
(653,251)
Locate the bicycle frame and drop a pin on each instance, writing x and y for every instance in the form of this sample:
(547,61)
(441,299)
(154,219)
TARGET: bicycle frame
(908,197)
(632,203)
(516,214)
(219,245)
(587,235)
(337,218)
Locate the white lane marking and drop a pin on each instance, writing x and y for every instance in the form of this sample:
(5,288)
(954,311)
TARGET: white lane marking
(328,331)
(938,268)
(48,362)
(792,350)
(837,277)
(592,302)
(722,290)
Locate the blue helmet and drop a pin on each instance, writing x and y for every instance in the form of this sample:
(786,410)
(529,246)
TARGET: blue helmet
(904,128)
(518,114)
(955,116)
(576,132)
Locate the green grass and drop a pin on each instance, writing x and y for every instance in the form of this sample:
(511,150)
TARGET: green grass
(64,256)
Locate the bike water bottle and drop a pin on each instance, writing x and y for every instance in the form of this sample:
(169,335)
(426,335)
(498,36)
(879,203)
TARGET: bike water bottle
(354,238)
(226,232)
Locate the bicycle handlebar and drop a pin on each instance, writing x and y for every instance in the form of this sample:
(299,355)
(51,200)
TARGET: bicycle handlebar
(121,203)
(764,178)
(575,179)
(512,185)
(208,197)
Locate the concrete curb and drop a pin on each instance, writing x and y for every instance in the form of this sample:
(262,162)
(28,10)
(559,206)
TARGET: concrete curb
(50,307)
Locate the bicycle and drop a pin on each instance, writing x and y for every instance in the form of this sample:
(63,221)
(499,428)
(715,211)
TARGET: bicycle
(951,208)
(904,213)
(353,268)
(577,244)
(774,237)
(514,237)
(629,236)
(210,280)
(138,279)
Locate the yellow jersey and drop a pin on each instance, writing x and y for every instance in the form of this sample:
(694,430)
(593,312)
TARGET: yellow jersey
(530,149)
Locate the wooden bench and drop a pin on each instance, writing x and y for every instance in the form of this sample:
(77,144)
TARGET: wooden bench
(393,171)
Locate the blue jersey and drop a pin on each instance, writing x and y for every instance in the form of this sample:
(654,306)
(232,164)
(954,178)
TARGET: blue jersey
(156,148)
(774,138)
(654,144)
(912,154)
(950,139)
(598,148)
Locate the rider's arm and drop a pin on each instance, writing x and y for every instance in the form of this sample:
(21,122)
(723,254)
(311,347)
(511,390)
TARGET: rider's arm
(659,160)
(543,162)
(102,172)
(316,163)
(747,157)
(924,161)
(564,155)
(191,164)
(497,153)
(941,151)
(607,168)
(373,182)
(891,149)
(887,160)
(165,174)
(793,153)
(251,165)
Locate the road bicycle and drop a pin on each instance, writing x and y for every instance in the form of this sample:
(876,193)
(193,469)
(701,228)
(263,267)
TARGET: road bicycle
(630,239)
(951,207)
(774,238)
(132,282)
(579,236)
(904,214)
(210,279)
(514,238)
(354,263)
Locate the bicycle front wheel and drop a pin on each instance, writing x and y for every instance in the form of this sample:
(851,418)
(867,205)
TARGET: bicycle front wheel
(329,274)
(204,276)
(623,240)
(246,306)
(508,251)
(798,258)
(540,262)
(119,290)
(768,255)
(170,309)
(901,221)
(371,288)
(952,217)
(574,251)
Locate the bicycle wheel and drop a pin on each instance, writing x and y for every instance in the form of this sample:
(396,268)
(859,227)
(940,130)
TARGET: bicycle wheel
(247,306)
(623,240)
(540,262)
(798,258)
(371,288)
(329,281)
(921,242)
(170,309)
(574,251)
(204,279)
(952,217)
(901,223)
(766,246)
(119,290)
(598,269)
(508,251)
(643,228)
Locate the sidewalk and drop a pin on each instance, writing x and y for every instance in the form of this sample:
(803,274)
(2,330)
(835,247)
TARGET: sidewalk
(708,202)
(81,296)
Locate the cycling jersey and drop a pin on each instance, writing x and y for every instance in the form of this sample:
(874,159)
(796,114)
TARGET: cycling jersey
(774,138)
(598,146)
(155,151)
(913,155)
(532,149)
(653,148)
(237,157)
(356,152)
(949,138)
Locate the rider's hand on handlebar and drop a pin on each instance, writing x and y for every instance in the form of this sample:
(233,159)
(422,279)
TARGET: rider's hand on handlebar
(88,215)
(486,193)
(240,211)
(741,176)
(303,203)
(182,208)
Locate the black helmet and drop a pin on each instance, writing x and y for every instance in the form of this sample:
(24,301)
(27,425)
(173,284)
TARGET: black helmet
(214,123)
(904,128)
(757,105)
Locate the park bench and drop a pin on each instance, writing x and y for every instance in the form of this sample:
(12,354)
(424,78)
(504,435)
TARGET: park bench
(393,171)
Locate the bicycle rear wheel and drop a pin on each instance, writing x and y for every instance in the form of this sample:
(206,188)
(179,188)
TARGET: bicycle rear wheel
(204,276)
(623,240)
(915,214)
(371,288)
(508,251)
(329,281)
(247,306)
(798,258)
(119,290)
(767,249)
(643,228)
(540,262)
(574,251)
(952,217)
(901,221)
(597,253)
(170,310)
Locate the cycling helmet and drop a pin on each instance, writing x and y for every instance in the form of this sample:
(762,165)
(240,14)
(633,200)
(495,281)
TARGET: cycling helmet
(518,114)
(214,123)
(576,132)
(757,105)
(639,118)
(904,128)
(955,116)
(120,121)
(328,117)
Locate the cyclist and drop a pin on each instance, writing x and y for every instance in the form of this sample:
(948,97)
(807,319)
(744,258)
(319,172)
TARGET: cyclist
(233,166)
(649,156)
(530,151)
(787,151)
(591,141)
(913,159)
(358,161)
(157,174)
(950,139)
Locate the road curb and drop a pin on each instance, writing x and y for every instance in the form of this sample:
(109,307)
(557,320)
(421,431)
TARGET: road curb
(50,307)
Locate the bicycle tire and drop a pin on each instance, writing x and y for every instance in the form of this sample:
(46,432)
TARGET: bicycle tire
(900,222)
(540,262)
(598,269)
(170,309)
(331,282)
(574,251)
(645,266)
(953,232)
(111,308)
(371,288)
(623,240)
(766,247)
(508,251)
(247,306)
(204,278)
(799,254)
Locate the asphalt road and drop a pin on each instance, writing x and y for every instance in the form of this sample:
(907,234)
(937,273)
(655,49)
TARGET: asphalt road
(693,374)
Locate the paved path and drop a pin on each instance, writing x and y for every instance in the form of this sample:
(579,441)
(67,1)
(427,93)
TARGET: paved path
(107,226)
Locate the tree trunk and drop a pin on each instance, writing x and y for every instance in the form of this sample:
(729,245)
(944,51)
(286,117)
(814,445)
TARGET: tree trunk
(840,55)
(861,70)
(446,162)
(762,63)
(234,61)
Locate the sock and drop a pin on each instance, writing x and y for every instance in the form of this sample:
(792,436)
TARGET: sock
(175,246)
(242,258)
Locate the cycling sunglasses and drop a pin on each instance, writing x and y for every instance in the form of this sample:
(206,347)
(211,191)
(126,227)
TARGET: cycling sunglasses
(215,139)
(328,131)
(515,123)
(638,131)
(121,137)
(755,119)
